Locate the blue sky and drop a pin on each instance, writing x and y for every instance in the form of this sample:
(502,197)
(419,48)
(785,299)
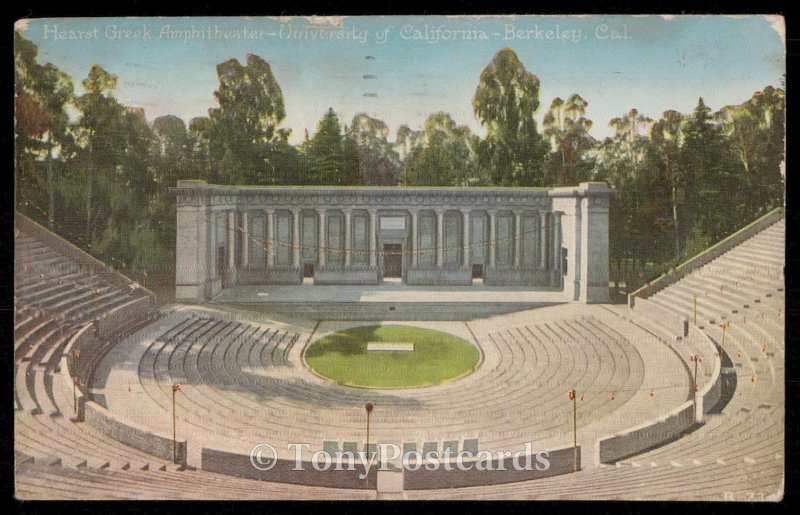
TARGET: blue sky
(423,65)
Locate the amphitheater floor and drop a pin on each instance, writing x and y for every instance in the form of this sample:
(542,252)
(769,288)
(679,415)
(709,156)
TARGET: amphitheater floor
(388,292)
(517,394)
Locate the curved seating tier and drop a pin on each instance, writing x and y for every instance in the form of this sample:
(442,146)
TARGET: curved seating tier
(737,454)
(247,381)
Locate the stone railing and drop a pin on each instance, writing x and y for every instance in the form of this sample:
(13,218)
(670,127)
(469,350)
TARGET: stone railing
(647,435)
(281,470)
(134,435)
(706,256)
(559,461)
(668,427)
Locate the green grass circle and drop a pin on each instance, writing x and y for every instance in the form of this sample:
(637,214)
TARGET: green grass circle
(343,358)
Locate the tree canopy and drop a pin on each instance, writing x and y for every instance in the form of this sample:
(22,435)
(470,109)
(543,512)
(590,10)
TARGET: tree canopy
(98,172)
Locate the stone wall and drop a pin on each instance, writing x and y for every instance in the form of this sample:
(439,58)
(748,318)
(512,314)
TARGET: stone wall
(646,436)
(134,435)
(451,276)
(240,465)
(561,462)
(346,275)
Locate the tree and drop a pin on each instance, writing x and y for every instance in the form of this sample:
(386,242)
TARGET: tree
(42,95)
(379,164)
(505,102)
(351,172)
(712,187)
(173,142)
(245,127)
(97,132)
(620,161)
(406,141)
(567,130)
(325,150)
(666,136)
(445,155)
(199,145)
(755,130)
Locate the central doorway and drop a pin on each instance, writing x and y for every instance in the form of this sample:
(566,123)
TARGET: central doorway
(392,260)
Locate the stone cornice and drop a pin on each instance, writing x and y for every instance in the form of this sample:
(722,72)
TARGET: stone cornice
(199,193)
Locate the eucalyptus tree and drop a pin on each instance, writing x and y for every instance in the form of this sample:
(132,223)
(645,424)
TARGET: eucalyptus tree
(566,129)
(379,164)
(246,125)
(505,102)
(756,131)
(445,155)
(666,136)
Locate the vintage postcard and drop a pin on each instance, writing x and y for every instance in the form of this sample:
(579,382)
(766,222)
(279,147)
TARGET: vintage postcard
(400,257)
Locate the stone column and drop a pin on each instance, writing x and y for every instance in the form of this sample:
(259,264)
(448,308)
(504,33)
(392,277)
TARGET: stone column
(439,238)
(271,237)
(347,237)
(517,236)
(414,244)
(466,255)
(557,245)
(492,238)
(245,239)
(232,239)
(543,239)
(193,261)
(211,240)
(323,245)
(594,242)
(373,238)
(296,237)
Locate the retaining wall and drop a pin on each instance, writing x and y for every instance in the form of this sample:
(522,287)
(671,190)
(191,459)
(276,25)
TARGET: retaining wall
(561,462)
(134,435)
(240,465)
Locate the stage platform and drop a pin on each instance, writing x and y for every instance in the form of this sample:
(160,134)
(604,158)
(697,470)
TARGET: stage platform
(388,301)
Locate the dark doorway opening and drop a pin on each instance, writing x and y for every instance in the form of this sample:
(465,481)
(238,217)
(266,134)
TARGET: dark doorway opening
(308,270)
(220,260)
(392,260)
(477,271)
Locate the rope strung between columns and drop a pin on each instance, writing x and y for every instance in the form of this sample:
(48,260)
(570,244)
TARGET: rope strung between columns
(263,243)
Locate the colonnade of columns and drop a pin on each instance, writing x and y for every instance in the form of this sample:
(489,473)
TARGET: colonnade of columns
(548,237)
(555,238)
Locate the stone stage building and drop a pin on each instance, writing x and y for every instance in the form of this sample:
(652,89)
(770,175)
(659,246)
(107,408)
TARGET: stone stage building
(549,239)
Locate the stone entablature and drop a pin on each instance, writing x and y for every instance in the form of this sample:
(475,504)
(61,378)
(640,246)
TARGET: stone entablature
(229,235)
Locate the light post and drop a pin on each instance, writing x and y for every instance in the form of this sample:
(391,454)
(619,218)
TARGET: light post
(369,408)
(175,389)
(75,395)
(694,310)
(723,325)
(697,360)
(574,397)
